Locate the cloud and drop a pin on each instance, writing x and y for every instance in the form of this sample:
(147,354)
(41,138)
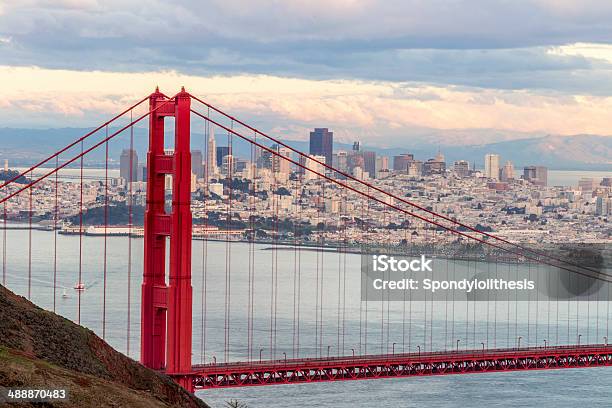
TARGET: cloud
(365,67)
(599,52)
(368,110)
(483,43)
(419,23)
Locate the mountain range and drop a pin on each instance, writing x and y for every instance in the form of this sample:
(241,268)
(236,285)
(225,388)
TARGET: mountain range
(577,152)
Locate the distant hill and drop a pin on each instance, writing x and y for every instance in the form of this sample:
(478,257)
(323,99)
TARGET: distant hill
(39,349)
(578,152)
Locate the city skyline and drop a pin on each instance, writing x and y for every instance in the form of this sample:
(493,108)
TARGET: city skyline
(362,164)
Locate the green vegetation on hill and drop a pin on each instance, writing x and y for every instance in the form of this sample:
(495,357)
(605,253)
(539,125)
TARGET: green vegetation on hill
(39,349)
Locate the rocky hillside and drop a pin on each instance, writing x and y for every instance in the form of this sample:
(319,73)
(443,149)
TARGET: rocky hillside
(41,349)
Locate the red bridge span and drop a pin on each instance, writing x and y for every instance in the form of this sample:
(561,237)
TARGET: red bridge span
(258,189)
(295,371)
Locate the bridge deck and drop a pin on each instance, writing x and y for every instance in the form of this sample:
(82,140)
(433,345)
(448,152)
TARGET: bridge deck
(269,372)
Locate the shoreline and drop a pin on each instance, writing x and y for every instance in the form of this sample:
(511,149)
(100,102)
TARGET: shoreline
(436,251)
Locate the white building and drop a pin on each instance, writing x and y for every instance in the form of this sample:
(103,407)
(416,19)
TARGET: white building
(492,166)
(216,188)
(211,157)
(359,174)
(314,166)
(507,172)
(280,165)
(415,168)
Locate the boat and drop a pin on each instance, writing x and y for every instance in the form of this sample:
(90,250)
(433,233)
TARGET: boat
(79,286)
(64,294)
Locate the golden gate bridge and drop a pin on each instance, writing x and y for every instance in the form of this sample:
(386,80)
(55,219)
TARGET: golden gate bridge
(166,299)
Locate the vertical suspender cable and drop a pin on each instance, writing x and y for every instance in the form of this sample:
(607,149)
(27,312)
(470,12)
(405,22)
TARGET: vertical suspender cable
(250,194)
(30,246)
(295,266)
(227,226)
(130,222)
(275,269)
(105,238)
(203,306)
(321,243)
(299,271)
(4,247)
(230,172)
(339,251)
(55,220)
(365,246)
(317,279)
(80,281)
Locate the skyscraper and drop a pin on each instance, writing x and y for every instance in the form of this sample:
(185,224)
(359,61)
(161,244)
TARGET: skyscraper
(507,172)
(586,184)
(603,206)
(542,175)
(382,164)
(400,163)
(461,168)
(142,172)
(128,157)
(211,159)
(278,164)
(537,175)
(222,151)
(197,166)
(322,143)
(355,159)
(340,161)
(434,166)
(492,166)
(415,168)
(369,163)
(529,173)
(228,168)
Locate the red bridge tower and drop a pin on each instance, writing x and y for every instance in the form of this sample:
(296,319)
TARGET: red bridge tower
(166,310)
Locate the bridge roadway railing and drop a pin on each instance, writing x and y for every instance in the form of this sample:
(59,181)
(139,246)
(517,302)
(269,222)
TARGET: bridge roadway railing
(399,357)
(270,372)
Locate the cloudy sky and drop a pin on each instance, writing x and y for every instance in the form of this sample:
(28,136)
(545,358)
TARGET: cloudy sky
(374,70)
